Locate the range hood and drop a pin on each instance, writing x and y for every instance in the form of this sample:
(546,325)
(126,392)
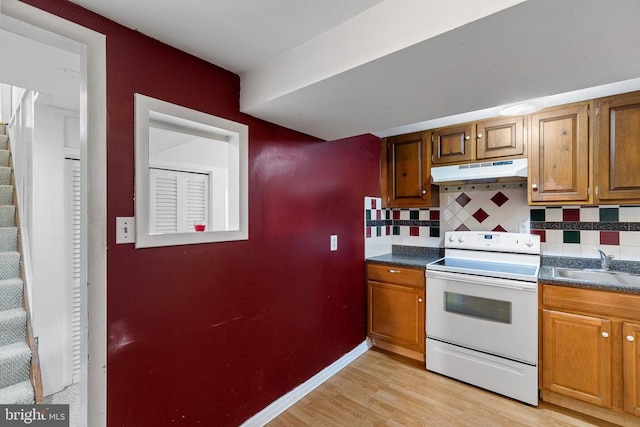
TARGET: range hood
(483,171)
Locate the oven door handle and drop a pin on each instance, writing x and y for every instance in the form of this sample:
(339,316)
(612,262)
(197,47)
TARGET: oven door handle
(482,280)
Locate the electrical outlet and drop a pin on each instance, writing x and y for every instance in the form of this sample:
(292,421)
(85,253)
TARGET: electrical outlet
(334,242)
(523,227)
(125,231)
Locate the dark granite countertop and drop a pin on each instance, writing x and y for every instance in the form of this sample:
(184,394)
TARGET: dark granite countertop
(419,257)
(408,256)
(546,273)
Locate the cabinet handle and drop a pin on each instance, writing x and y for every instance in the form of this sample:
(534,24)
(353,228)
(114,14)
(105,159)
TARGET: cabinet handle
(394,271)
(630,338)
(534,187)
(466,138)
(424,191)
(605,334)
(420,300)
(479,135)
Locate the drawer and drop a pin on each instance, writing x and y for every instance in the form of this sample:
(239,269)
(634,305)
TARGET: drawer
(603,303)
(398,275)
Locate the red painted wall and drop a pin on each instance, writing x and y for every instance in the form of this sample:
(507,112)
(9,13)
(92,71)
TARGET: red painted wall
(211,334)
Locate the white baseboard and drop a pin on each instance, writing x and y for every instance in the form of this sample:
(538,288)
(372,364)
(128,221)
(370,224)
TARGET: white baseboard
(284,402)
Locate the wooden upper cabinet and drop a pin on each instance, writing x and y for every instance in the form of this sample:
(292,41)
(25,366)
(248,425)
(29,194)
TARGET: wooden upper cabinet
(631,367)
(406,176)
(577,353)
(489,139)
(454,144)
(559,155)
(617,149)
(503,137)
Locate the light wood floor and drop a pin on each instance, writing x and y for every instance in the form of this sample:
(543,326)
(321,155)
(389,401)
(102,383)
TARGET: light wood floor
(380,389)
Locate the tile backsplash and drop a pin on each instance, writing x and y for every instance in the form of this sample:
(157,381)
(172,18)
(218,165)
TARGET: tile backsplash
(577,230)
(572,231)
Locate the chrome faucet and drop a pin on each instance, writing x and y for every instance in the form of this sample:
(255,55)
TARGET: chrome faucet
(605,260)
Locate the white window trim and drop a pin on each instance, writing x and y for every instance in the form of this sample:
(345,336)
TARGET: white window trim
(237,134)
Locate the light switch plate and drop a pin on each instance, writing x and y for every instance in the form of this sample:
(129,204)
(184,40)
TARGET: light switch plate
(334,242)
(125,229)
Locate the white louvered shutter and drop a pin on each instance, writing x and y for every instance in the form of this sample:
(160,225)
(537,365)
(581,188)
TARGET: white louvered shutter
(164,203)
(74,211)
(178,200)
(196,200)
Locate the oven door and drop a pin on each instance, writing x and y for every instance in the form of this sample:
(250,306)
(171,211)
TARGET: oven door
(494,316)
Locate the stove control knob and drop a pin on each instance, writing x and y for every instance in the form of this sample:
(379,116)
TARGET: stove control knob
(460,239)
(529,243)
(451,239)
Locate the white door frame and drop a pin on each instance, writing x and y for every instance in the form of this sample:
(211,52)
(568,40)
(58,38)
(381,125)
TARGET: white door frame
(93,397)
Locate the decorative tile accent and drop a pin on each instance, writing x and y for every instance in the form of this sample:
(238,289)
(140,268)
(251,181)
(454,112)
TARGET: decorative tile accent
(570,236)
(609,214)
(414,231)
(610,238)
(499,228)
(377,239)
(463,199)
(434,215)
(480,215)
(571,215)
(537,215)
(499,198)
(487,208)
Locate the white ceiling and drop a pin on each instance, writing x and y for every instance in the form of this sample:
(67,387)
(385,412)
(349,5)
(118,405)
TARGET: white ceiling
(337,68)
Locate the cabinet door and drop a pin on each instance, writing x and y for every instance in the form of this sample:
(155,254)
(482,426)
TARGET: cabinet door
(618,148)
(454,144)
(407,168)
(396,314)
(500,138)
(631,367)
(559,155)
(576,356)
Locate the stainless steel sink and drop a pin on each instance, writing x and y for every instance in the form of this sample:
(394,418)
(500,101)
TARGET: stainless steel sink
(597,276)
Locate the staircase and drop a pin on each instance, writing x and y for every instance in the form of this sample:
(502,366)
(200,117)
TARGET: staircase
(16,370)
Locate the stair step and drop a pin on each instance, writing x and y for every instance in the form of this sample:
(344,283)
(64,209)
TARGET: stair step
(11,294)
(3,128)
(15,363)
(5,175)
(4,157)
(4,142)
(13,324)
(8,239)
(7,215)
(18,394)
(6,194)
(9,265)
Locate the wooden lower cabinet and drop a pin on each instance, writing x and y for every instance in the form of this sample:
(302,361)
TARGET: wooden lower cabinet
(577,356)
(631,367)
(590,358)
(396,309)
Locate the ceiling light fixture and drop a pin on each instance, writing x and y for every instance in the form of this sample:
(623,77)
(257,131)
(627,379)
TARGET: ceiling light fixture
(524,107)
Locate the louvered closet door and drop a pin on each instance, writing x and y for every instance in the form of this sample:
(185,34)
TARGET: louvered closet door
(73,182)
(178,200)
